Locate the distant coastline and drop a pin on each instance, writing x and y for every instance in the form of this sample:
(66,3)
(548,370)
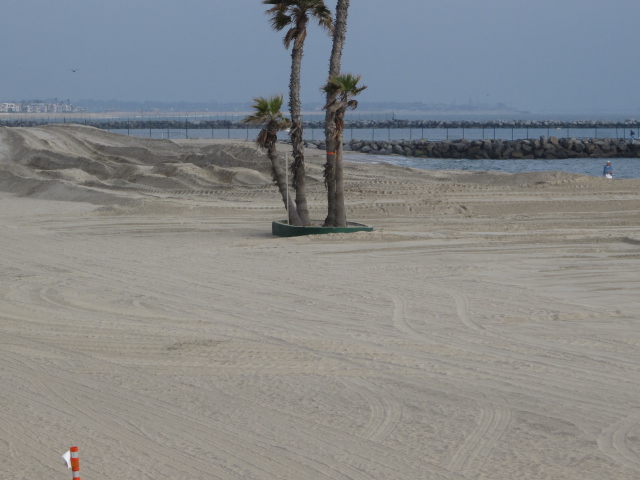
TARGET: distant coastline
(382,118)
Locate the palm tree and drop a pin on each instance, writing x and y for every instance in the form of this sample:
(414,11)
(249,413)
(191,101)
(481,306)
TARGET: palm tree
(295,15)
(339,35)
(267,112)
(343,88)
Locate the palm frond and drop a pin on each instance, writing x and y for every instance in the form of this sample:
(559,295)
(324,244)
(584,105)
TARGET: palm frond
(278,13)
(268,111)
(280,21)
(261,139)
(323,16)
(295,14)
(343,88)
(301,37)
(288,38)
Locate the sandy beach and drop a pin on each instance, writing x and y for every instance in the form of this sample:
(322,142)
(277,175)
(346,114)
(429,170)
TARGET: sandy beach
(487,329)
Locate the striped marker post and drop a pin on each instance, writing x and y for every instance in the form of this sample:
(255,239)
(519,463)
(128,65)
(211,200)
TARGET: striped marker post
(75,463)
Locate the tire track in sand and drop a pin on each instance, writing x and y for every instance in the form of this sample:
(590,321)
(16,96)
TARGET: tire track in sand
(463,309)
(492,424)
(236,448)
(399,315)
(613,441)
(250,449)
(494,419)
(386,411)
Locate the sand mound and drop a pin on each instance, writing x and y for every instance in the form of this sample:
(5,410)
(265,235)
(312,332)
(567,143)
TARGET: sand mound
(62,161)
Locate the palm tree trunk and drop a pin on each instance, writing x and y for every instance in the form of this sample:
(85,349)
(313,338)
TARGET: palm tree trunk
(297,166)
(339,35)
(280,177)
(340,209)
(330,168)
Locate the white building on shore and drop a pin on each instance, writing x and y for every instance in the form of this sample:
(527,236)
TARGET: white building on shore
(38,107)
(10,107)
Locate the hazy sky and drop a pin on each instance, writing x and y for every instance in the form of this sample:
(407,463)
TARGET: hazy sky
(539,55)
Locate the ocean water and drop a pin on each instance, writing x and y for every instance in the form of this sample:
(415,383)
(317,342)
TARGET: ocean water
(622,167)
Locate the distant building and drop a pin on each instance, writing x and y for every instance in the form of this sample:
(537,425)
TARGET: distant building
(10,107)
(38,107)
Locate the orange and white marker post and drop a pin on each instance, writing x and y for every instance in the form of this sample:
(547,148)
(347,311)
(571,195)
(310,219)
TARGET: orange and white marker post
(75,463)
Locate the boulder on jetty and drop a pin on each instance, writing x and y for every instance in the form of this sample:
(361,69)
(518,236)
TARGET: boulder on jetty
(544,148)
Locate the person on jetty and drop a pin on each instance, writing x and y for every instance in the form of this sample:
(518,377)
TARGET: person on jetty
(608,170)
(632,134)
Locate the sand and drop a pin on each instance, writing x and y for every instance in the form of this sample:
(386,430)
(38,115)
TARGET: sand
(487,329)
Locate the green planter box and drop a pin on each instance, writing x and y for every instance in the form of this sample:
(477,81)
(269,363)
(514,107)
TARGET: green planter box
(283,229)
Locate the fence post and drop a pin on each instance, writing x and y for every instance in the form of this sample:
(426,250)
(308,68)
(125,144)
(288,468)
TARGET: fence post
(75,463)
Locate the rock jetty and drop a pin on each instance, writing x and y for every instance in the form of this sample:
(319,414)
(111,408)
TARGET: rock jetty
(203,123)
(487,124)
(545,148)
